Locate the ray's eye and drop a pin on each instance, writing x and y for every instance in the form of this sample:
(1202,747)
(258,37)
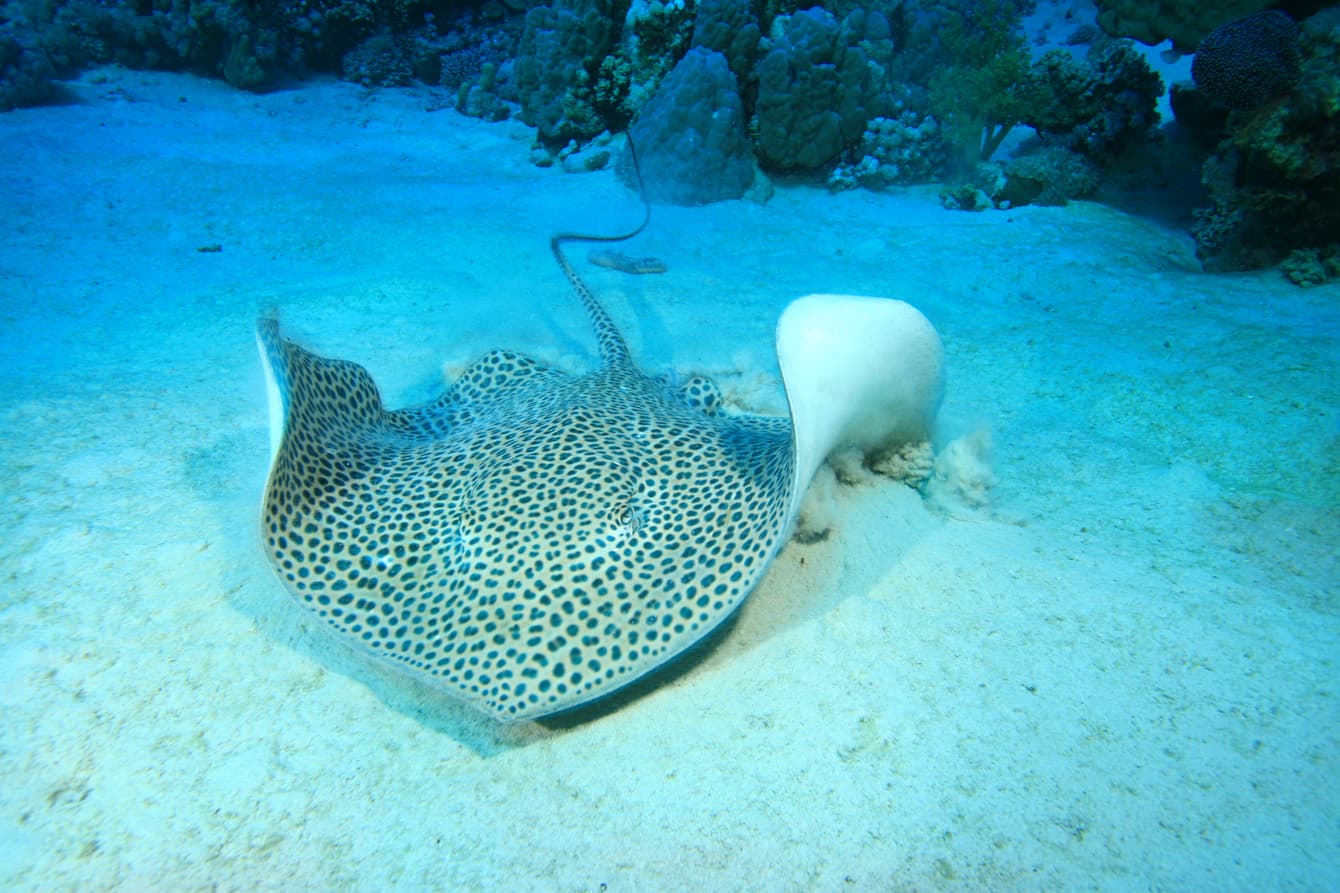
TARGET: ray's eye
(627,516)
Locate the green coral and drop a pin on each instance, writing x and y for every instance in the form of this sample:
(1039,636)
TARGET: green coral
(1058,91)
(976,90)
(242,68)
(979,106)
(1098,108)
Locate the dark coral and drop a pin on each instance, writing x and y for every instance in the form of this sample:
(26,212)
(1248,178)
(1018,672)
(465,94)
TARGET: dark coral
(383,60)
(731,28)
(1099,108)
(1312,266)
(459,66)
(557,61)
(819,82)
(249,43)
(1050,177)
(1197,114)
(27,74)
(1247,62)
(1184,23)
(1274,180)
(691,135)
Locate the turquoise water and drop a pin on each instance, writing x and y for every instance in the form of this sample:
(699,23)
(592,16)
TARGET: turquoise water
(1101,658)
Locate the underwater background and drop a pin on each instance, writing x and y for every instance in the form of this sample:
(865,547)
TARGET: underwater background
(1090,642)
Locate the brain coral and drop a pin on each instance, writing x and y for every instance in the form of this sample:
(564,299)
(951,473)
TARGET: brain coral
(1248,61)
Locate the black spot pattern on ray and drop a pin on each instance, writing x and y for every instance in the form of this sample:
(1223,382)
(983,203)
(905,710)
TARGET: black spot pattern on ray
(531,540)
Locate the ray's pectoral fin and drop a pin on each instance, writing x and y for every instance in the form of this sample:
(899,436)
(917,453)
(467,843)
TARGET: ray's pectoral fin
(498,374)
(493,378)
(860,372)
(698,392)
(331,405)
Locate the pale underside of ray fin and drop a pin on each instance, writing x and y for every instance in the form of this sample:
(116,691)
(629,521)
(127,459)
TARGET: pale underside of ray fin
(274,398)
(859,371)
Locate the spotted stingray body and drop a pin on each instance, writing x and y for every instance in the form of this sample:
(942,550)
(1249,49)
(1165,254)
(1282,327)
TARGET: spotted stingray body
(531,540)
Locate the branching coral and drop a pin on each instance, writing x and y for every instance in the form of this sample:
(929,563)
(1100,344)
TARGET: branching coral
(975,91)
(1098,108)
(655,36)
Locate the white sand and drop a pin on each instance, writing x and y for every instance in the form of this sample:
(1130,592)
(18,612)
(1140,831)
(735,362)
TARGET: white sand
(1118,673)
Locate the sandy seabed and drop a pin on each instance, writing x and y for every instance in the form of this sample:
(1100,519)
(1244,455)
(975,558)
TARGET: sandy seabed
(1114,669)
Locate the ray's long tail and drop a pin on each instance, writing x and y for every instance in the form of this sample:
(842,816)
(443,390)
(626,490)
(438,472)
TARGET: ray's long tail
(613,349)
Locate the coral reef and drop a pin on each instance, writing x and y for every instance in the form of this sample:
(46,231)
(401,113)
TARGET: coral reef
(1049,177)
(479,98)
(1247,62)
(731,28)
(655,35)
(28,60)
(1089,116)
(459,66)
(871,93)
(691,137)
(1274,179)
(1098,108)
(475,59)
(246,42)
(966,197)
(980,63)
(561,50)
(819,82)
(383,60)
(904,148)
(1185,23)
(1312,266)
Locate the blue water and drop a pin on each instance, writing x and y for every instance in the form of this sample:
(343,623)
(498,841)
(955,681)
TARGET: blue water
(1102,659)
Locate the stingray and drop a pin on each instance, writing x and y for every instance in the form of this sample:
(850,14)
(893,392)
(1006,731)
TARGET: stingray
(533,540)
